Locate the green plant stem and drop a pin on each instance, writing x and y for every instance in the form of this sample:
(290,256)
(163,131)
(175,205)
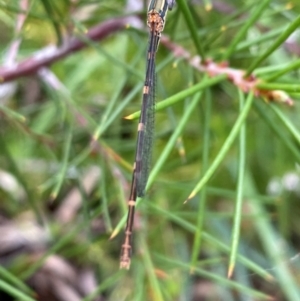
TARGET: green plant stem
(202,200)
(243,31)
(180,96)
(191,25)
(212,241)
(273,246)
(277,130)
(279,86)
(281,39)
(239,197)
(287,123)
(226,146)
(14,292)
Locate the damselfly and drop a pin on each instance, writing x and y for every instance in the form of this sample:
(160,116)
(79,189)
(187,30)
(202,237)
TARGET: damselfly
(156,17)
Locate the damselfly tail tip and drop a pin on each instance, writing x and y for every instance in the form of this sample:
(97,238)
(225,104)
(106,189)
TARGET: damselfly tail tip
(124,264)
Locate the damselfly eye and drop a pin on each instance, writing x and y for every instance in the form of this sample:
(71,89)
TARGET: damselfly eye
(171,4)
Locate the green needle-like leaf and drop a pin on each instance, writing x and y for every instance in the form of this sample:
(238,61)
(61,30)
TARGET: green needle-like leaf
(182,95)
(14,292)
(239,198)
(226,146)
(191,25)
(62,173)
(281,39)
(292,129)
(203,195)
(243,31)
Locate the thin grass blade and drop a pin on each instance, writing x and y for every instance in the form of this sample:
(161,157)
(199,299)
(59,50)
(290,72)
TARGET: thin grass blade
(239,197)
(280,40)
(225,148)
(254,16)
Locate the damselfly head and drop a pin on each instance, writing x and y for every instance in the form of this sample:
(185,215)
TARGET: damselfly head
(171,4)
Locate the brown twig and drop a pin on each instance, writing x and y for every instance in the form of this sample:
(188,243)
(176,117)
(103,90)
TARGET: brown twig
(50,54)
(236,76)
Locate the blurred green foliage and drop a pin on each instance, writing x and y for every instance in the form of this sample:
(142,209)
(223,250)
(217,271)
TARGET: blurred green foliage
(68,152)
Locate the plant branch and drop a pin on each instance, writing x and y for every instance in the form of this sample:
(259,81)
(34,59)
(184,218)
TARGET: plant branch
(51,53)
(236,76)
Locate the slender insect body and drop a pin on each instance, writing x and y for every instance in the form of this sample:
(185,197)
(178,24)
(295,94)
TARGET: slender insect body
(155,20)
(126,248)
